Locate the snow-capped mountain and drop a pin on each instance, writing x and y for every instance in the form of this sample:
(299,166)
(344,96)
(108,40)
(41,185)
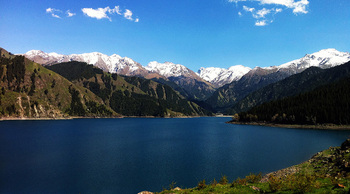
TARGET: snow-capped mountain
(113,63)
(221,76)
(169,69)
(323,59)
(193,84)
(326,58)
(197,86)
(258,77)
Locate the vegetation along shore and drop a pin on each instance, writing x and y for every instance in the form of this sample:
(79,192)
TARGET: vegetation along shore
(327,171)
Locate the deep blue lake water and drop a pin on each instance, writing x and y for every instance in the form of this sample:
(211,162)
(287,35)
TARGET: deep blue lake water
(135,154)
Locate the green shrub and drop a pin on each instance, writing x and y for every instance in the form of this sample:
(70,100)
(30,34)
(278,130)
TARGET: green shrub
(240,181)
(201,185)
(275,183)
(253,178)
(223,180)
(300,182)
(214,182)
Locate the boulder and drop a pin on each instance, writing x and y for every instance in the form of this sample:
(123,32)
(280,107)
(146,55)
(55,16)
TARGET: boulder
(345,145)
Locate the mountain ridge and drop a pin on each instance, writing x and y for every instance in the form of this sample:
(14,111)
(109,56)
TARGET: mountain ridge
(29,90)
(127,66)
(302,82)
(228,95)
(129,95)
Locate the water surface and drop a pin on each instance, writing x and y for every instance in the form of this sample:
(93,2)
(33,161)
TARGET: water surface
(135,154)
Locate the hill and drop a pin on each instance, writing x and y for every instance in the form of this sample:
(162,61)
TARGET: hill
(28,90)
(181,77)
(226,96)
(328,104)
(130,96)
(291,86)
(229,95)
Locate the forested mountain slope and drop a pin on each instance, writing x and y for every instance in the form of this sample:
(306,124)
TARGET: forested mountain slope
(131,96)
(28,90)
(293,85)
(328,104)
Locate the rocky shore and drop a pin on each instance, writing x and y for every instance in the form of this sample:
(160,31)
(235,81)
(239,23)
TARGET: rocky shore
(323,126)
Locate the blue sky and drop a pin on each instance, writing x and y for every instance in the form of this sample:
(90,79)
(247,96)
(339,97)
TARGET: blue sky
(195,33)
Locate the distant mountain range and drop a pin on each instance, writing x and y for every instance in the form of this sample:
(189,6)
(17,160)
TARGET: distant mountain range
(305,81)
(70,89)
(230,94)
(217,89)
(217,76)
(315,96)
(193,86)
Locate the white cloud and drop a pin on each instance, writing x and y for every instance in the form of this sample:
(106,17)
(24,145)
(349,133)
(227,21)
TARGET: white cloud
(298,7)
(262,13)
(55,16)
(278,10)
(70,14)
(52,11)
(261,23)
(101,13)
(248,9)
(98,13)
(116,9)
(235,1)
(286,3)
(128,14)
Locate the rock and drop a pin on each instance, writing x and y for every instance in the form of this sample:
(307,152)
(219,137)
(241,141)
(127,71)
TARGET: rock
(345,145)
(145,192)
(255,188)
(177,189)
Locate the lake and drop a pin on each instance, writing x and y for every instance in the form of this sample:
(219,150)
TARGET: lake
(135,154)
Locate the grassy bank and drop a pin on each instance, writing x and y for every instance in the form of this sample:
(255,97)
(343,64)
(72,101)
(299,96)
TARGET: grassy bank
(326,172)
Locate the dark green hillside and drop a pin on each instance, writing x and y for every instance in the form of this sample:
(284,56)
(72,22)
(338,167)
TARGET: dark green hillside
(293,85)
(131,96)
(195,89)
(229,94)
(173,85)
(328,104)
(28,90)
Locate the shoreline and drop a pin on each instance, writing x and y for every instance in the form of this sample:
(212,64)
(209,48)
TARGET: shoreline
(74,117)
(48,118)
(295,126)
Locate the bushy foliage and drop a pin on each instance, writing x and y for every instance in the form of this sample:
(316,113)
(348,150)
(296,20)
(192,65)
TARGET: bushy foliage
(253,178)
(327,104)
(223,180)
(76,107)
(201,185)
(76,70)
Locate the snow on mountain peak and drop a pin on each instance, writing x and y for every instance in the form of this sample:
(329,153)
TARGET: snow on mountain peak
(221,76)
(168,69)
(325,58)
(113,63)
(34,52)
